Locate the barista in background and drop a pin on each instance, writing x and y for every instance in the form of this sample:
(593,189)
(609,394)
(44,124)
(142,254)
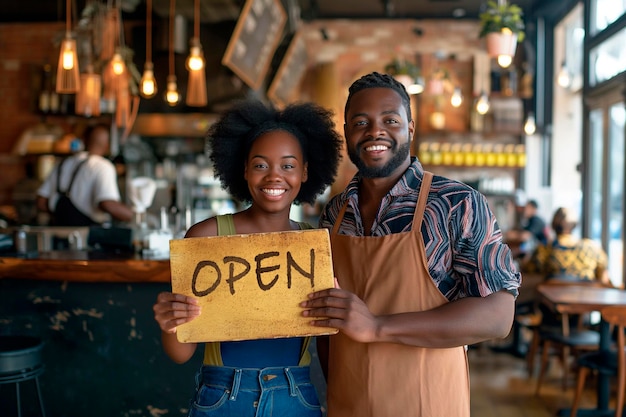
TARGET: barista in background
(82,189)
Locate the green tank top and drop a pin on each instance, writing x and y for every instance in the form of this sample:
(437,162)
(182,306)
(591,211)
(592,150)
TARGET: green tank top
(212,350)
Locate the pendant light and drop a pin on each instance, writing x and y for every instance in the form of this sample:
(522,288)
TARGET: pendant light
(171,95)
(482,104)
(457,97)
(147,85)
(563,78)
(68,81)
(88,97)
(196,85)
(530,127)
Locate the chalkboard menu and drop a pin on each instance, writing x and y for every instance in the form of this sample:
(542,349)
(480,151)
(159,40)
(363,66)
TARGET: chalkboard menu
(254,41)
(283,88)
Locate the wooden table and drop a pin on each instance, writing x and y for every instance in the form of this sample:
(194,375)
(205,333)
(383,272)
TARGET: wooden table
(578,299)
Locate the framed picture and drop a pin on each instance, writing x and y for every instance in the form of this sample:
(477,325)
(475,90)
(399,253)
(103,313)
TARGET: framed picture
(258,32)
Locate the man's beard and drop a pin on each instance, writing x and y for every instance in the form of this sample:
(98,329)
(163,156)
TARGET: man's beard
(400,154)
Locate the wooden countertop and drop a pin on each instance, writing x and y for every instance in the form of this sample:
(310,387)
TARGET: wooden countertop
(84,266)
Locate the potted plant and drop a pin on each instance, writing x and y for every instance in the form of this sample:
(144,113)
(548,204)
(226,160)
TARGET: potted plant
(502,26)
(404,71)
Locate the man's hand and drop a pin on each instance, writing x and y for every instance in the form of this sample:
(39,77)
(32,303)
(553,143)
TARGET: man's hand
(342,310)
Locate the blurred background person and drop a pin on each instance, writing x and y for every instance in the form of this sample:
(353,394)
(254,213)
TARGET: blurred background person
(532,232)
(568,257)
(82,190)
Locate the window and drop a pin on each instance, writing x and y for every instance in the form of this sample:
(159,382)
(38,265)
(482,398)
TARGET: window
(605,12)
(608,59)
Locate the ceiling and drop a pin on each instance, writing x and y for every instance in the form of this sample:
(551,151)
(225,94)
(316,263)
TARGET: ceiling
(222,10)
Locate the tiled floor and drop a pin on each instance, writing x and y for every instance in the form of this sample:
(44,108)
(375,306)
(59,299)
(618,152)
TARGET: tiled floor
(500,387)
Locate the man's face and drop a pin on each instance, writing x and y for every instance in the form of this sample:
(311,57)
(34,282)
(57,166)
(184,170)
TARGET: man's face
(378,133)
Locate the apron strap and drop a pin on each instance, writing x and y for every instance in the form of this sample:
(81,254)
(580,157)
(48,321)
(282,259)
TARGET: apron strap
(335,229)
(418,216)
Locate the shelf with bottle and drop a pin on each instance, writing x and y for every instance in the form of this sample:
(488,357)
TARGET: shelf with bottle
(454,154)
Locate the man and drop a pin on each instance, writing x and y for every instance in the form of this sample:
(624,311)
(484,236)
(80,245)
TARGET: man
(533,231)
(534,226)
(82,190)
(421,268)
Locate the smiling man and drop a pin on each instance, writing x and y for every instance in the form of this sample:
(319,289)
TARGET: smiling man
(421,268)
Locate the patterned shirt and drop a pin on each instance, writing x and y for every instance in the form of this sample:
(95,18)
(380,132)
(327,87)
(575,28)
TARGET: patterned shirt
(466,255)
(569,257)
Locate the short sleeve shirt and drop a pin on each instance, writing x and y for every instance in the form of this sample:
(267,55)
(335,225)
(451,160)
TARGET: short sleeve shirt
(463,242)
(96,182)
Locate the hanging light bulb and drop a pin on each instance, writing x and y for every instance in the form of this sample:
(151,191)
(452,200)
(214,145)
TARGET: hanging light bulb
(117,63)
(530,126)
(147,85)
(482,104)
(68,53)
(88,98)
(505,60)
(171,95)
(68,74)
(563,78)
(417,87)
(457,97)
(196,84)
(195,61)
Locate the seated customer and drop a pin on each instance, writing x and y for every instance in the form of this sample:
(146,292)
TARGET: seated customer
(532,232)
(568,257)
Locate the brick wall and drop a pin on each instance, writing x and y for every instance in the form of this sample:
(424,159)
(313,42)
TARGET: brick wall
(24,49)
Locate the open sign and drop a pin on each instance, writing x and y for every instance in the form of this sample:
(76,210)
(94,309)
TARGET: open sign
(250,286)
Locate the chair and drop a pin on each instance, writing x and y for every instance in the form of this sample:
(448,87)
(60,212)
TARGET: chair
(610,363)
(568,333)
(21,361)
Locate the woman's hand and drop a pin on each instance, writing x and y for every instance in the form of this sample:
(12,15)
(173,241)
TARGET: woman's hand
(171,310)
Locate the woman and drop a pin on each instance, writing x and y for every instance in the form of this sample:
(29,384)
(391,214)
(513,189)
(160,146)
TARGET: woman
(270,159)
(568,257)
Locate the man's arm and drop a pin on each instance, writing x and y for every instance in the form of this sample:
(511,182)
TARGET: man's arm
(118,210)
(462,322)
(42,204)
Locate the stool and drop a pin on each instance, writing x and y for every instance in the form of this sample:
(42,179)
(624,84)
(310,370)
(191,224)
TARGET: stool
(20,361)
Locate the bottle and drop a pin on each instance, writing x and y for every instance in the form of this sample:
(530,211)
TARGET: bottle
(20,242)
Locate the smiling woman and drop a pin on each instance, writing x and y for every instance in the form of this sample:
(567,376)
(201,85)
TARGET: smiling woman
(269,159)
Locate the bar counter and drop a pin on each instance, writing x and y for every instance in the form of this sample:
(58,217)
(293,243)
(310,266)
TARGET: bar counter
(85,266)
(102,347)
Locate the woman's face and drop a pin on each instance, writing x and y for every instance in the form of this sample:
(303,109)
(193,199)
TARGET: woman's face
(275,170)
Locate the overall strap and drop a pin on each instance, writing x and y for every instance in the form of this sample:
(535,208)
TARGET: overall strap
(69,187)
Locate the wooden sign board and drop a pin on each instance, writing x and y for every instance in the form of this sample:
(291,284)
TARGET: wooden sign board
(250,286)
(258,32)
(284,87)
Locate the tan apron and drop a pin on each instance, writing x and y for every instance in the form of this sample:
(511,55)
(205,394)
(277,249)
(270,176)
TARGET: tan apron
(390,273)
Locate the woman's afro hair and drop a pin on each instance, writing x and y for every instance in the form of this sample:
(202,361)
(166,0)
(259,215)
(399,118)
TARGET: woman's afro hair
(229,141)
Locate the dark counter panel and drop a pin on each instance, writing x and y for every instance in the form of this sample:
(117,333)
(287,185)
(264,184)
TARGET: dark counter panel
(102,352)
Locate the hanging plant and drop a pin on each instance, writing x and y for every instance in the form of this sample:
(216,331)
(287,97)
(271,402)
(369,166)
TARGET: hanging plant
(502,17)
(402,67)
